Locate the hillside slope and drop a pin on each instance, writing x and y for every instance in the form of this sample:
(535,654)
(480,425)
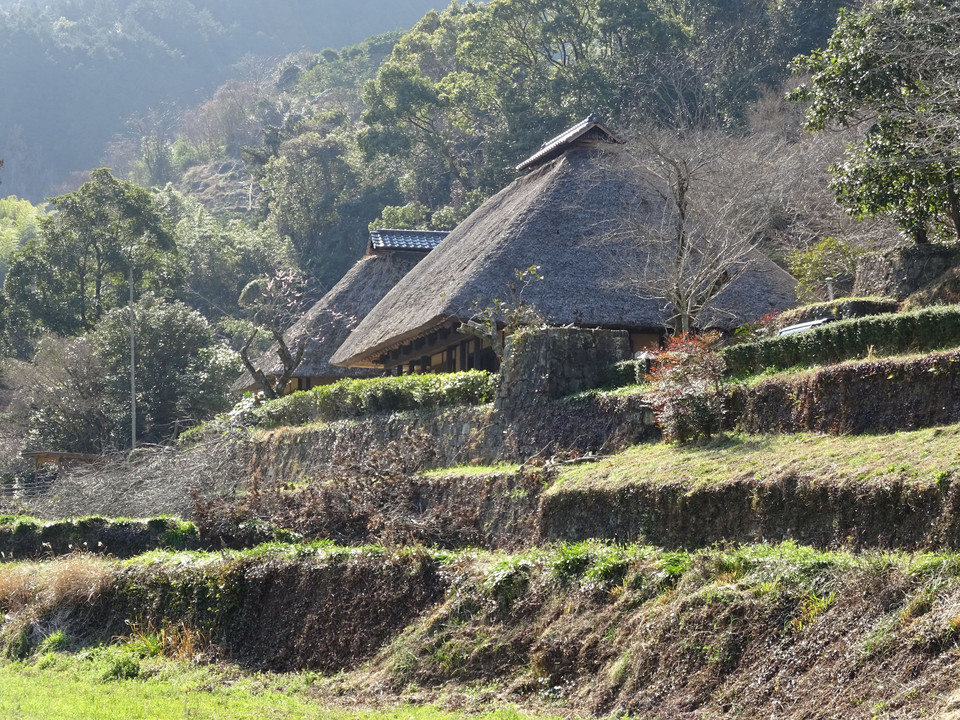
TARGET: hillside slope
(762,631)
(74,71)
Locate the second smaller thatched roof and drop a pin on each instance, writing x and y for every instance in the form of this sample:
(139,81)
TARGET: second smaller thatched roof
(327,324)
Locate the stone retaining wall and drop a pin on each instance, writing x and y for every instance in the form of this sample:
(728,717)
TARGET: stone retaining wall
(902,271)
(876,396)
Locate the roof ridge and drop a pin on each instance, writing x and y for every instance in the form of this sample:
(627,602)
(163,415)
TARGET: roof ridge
(404,239)
(568,138)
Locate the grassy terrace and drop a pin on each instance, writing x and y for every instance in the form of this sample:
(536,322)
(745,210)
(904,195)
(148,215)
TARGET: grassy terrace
(926,456)
(91,686)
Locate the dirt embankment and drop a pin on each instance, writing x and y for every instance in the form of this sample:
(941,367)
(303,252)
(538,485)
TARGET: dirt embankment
(765,631)
(512,510)
(326,610)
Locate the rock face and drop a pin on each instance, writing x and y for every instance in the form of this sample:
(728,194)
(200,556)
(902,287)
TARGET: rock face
(222,187)
(549,364)
(904,270)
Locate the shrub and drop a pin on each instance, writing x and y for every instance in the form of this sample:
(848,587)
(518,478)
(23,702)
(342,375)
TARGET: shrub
(685,388)
(829,261)
(625,372)
(888,334)
(763,327)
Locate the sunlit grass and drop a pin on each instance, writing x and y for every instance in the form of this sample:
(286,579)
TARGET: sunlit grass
(922,456)
(471,470)
(77,687)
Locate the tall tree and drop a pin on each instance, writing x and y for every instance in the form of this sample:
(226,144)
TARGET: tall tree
(693,218)
(891,70)
(64,280)
(274,303)
(183,372)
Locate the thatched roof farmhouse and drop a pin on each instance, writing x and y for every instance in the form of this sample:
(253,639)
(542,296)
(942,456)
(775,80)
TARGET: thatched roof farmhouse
(556,216)
(390,255)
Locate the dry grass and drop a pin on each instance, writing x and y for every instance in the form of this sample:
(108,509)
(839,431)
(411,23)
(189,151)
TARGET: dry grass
(153,481)
(72,580)
(925,456)
(18,585)
(178,640)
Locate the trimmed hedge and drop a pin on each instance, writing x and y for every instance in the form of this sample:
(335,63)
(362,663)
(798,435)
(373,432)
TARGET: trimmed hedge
(356,398)
(888,334)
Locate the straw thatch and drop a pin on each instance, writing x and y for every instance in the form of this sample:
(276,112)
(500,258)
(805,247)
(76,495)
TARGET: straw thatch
(557,217)
(328,323)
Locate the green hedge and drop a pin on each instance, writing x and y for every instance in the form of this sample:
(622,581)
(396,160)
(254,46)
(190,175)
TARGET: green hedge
(355,398)
(890,334)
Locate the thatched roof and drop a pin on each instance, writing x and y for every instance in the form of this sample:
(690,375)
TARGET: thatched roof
(328,323)
(556,217)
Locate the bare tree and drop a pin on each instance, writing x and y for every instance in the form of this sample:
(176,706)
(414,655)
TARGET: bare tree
(697,205)
(274,303)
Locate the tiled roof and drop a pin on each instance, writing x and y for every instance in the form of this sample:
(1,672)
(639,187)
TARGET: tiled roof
(406,239)
(555,147)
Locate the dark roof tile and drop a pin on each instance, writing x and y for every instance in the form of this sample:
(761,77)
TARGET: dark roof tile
(385,239)
(590,129)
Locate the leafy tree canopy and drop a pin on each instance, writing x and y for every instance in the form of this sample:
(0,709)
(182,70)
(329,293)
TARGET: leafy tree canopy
(76,396)
(65,279)
(19,223)
(183,372)
(892,70)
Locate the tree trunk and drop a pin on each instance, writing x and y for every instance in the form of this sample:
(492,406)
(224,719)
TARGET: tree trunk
(954,203)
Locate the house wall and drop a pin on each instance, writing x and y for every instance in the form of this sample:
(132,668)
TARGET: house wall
(444,350)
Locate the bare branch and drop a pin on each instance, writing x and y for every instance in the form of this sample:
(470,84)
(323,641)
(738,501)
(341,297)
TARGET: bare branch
(696,214)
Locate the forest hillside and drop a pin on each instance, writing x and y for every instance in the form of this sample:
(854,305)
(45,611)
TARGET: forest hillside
(79,74)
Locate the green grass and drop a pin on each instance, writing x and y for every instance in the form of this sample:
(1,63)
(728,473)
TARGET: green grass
(924,456)
(471,470)
(65,687)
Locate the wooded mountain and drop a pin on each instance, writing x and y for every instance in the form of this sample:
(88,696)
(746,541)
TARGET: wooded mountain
(75,70)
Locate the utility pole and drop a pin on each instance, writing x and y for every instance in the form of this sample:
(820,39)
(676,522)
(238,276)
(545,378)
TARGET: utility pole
(133,366)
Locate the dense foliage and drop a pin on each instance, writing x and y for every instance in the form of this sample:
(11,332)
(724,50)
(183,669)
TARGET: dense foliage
(75,70)
(19,220)
(891,69)
(76,396)
(64,280)
(417,133)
